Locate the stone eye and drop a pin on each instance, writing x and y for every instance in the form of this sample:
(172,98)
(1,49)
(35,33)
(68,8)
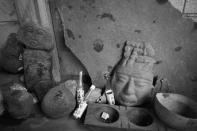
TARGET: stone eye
(40,32)
(32,42)
(29,29)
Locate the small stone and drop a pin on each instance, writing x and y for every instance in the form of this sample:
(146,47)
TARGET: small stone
(37,67)
(105,116)
(96,93)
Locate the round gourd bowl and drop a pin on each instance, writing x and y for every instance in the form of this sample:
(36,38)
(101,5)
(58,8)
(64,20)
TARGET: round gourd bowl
(176,111)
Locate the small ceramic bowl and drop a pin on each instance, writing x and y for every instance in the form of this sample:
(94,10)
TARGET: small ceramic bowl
(176,111)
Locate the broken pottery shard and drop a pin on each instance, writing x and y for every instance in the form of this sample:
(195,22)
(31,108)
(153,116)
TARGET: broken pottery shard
(37,67)
(35,37)
(19,102)
(11,53)
(58,102)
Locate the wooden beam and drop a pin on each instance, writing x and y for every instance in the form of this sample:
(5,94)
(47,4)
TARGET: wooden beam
(38,11)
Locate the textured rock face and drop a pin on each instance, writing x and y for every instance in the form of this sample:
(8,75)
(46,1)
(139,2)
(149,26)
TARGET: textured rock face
(58,102)
(19,102)
(35,37)
(37,67)
(12,55)
(42,87)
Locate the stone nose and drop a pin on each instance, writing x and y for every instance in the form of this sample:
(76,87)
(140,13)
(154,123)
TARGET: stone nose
(130,87)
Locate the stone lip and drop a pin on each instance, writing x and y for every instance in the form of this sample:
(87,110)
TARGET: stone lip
(176,111)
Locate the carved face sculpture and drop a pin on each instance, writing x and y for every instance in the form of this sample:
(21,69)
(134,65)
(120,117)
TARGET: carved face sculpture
(133,76)
(35,37)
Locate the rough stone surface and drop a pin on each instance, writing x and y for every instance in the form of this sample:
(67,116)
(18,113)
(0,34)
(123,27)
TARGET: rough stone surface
(19,103)
(96,93)
(35,37)
(37,67)
(42,87)
(11,55)
(58,102)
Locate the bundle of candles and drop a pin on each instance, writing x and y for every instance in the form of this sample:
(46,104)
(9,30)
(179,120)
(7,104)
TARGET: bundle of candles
(82,100)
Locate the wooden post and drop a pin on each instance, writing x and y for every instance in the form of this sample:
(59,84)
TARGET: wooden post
(38,11)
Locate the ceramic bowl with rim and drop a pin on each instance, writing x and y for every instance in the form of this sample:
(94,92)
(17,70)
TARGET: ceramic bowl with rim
(176,111)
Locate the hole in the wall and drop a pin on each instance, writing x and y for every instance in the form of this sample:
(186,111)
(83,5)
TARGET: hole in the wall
(158,62)
(155,78)
(178,48)
(70,7)
(98,45)
(70,34)
(154,21)
(118,45)
(138,31)
(107,16)
(80,36)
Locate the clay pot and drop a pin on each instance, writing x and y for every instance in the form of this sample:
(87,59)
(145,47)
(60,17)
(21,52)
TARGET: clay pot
(58,102)
(176,111)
